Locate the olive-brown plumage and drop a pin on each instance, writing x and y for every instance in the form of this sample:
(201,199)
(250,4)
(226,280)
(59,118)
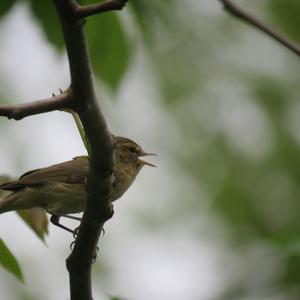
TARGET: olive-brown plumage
(60,189)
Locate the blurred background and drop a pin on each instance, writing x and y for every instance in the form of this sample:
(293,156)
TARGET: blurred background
(219,217)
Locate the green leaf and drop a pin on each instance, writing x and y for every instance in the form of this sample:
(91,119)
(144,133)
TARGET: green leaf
(9,262)
(37,220)
(46,14)
(5,6)
(109,48)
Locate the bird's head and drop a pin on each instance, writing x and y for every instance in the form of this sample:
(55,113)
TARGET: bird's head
(129,152)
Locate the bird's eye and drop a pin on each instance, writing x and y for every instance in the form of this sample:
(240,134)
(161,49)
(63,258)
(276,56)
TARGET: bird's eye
(132,150)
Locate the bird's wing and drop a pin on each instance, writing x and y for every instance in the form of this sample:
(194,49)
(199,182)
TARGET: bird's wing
(73,171)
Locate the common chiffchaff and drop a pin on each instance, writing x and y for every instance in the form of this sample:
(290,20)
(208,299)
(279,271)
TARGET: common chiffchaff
(60,189)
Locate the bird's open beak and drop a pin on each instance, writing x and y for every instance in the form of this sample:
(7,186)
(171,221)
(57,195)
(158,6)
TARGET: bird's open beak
(145,162)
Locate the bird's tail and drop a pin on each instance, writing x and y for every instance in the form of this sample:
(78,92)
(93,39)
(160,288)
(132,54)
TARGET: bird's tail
(1,204)
(5,203)
(4,195)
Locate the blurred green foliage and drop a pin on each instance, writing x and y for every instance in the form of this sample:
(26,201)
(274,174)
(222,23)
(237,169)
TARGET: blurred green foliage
(258,199)
(5,6)
(285,13)
(104,33)
(171,44)
(109,48)
(46,15)
(37,221)
(115,298)
(9,262)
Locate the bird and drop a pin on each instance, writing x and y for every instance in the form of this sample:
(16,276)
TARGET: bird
(60,189)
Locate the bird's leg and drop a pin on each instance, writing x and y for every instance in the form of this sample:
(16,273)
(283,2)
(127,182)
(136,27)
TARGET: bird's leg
(71,217)
(75,231)
(54,219)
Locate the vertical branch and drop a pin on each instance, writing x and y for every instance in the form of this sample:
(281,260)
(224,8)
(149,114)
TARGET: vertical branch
(99,208)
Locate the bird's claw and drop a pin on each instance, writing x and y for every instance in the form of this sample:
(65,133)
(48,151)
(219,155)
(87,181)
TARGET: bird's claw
(75,232)
(72,245)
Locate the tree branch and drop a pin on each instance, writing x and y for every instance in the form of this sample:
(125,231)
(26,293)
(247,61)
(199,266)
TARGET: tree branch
(20,111)
(99,207)
(93,9)
(253,21)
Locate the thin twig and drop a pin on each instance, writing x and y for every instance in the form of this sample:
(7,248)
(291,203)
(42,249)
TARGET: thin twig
(20,111)
(250,19)
(93,9)
(81,131)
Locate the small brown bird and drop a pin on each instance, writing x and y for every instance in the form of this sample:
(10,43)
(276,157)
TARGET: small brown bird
(60,189)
